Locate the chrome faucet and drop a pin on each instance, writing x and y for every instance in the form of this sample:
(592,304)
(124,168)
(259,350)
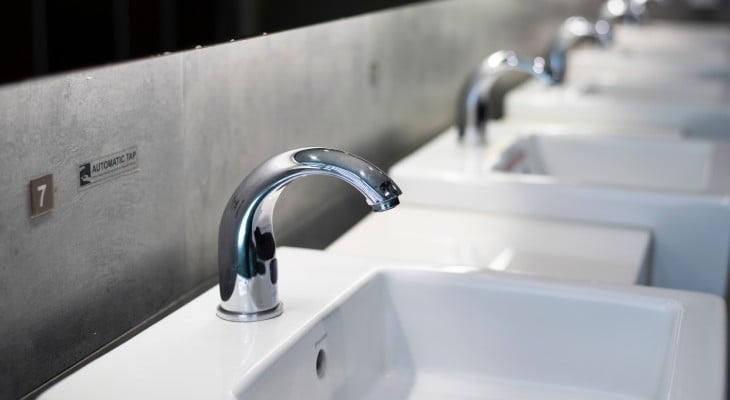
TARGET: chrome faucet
(247,265)
(572,31)
(472,112)
(627,11)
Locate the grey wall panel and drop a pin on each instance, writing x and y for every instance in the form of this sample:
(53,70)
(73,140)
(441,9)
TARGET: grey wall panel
(101,261)
(108,257)
(400,73)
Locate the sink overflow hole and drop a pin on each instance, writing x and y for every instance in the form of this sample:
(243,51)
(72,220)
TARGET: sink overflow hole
(321,363)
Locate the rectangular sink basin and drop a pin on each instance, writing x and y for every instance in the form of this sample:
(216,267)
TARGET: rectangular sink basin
(703,91)
(506,128)
(636,162)
(707,63)
(659,84)
(538,247)
(674,36)
(676,188)
(412,332)
(682,52)
(591,102)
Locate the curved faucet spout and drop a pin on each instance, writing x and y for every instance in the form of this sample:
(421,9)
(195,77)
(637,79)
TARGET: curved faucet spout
(627,11)
(472,112)
(572,31)
(247,265)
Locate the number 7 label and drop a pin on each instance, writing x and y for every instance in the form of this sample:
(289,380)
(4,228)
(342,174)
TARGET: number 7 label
(41,195)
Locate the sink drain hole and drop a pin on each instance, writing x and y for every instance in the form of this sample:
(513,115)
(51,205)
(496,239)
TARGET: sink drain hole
(321,363)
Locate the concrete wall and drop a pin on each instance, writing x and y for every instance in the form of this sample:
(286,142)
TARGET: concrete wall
(110,257)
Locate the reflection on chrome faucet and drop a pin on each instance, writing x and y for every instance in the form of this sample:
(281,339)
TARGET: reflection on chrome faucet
(473,105)
(472,112)
(571,32)
(627,11)
(247,265)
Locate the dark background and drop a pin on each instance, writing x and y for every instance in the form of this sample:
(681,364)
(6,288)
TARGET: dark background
(47,36)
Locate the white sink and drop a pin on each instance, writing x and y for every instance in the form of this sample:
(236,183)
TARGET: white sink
(642,163)
(680,52)
(416,333)
(707,64)
(672,52)
(508,128)
(657,84)
(530,246)
(674,36)
(703,91)
(679,189)
(693,114)
(634,59)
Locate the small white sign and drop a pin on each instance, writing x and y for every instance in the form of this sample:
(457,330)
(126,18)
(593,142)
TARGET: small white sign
(108,167)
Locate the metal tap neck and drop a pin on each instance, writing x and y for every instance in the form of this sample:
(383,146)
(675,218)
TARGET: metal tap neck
(473,106)
(247,265)
(571,32)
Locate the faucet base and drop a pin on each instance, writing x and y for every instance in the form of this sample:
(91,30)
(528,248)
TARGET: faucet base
(250,317)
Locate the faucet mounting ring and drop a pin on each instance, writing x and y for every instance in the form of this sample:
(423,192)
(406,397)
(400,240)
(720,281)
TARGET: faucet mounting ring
(250,317)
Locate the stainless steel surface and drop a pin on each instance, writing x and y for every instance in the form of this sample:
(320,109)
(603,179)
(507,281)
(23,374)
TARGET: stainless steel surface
(475,96)
(378,85)
(572,31)
(247,264)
